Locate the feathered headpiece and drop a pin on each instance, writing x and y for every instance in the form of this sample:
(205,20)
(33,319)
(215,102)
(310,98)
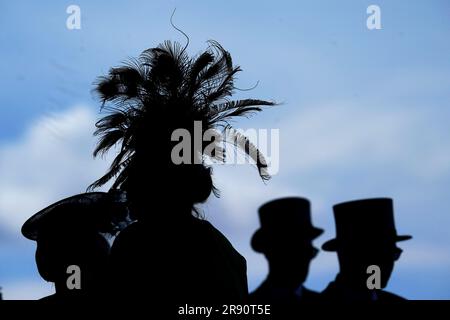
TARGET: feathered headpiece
(163,90)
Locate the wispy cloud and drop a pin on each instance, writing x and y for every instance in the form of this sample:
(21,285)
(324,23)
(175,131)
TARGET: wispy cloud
(342,135)
(53,159)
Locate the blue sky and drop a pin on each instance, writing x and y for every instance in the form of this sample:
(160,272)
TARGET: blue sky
(365,113)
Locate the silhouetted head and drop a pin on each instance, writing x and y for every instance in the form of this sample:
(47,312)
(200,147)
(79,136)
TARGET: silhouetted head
(68,233)
(176,188)
(354,261)
(56,251)
(365,236)
(285,238)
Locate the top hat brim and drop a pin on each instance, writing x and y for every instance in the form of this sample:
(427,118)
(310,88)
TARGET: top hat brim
(31,227)
(333,244)
(260,239)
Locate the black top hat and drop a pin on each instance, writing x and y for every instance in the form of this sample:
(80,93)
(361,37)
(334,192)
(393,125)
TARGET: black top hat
(363,223)
(284,217)
(96,211)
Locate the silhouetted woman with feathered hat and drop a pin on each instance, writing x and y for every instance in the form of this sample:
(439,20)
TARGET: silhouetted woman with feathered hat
(169,254)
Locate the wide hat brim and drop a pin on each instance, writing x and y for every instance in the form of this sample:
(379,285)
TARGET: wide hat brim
(261,238)
(32,226)
(334,244)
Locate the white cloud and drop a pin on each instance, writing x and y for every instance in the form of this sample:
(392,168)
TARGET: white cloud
(52,160)
(343,135)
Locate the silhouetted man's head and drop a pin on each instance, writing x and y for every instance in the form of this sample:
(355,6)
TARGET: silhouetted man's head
(365,236)
(285,238)
(354,262)
(56,251)
(289,260)
(68,233)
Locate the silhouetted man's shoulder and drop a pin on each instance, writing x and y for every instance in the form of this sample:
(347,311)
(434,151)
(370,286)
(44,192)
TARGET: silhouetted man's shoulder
(50,298)
(266,293)
(336,292)
(309,295)
(385,296)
